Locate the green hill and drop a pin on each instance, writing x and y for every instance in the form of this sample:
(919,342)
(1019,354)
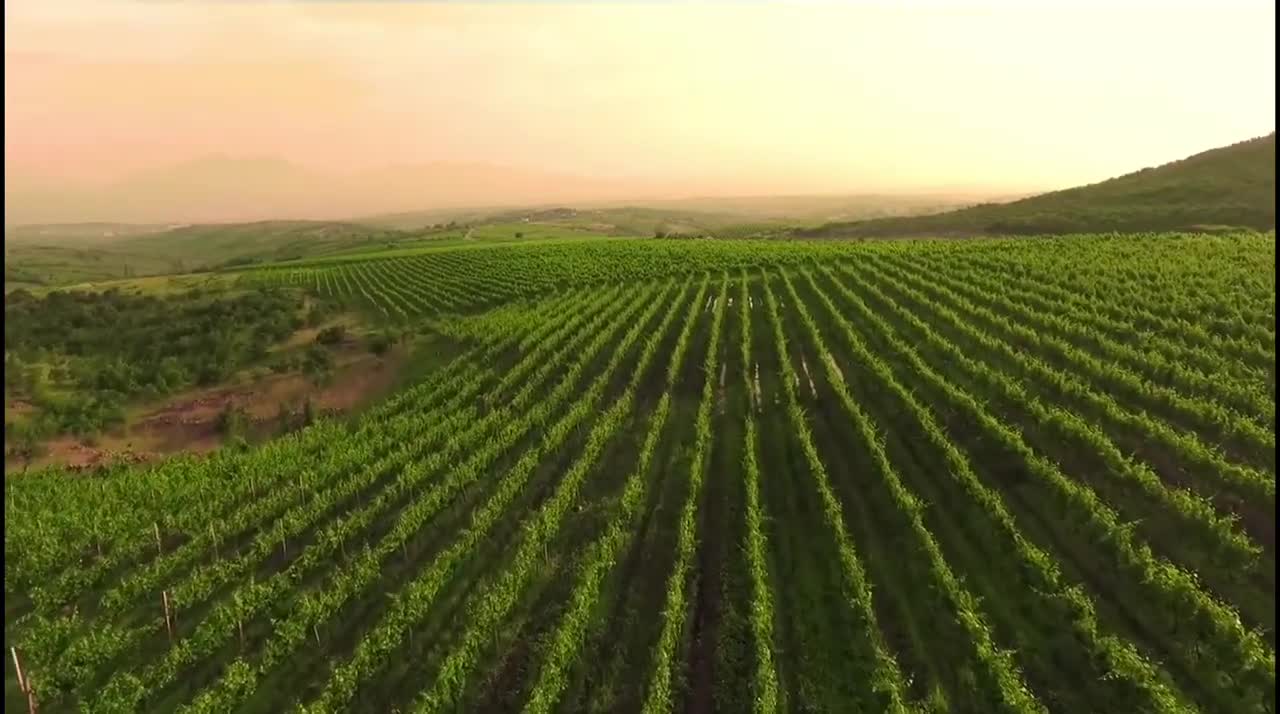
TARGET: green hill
(48,255)
(209,245)
(1231,186)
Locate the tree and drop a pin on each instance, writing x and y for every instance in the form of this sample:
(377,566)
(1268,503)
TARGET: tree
(519,234)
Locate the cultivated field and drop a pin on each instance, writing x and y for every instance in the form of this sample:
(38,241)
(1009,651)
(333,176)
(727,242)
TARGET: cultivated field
(656,476)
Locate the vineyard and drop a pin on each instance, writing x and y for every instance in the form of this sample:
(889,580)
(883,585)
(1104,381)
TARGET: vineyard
(438,282)
(658,476)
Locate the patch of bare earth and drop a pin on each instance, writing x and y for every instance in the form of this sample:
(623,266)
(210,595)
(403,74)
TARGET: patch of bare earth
(188,423)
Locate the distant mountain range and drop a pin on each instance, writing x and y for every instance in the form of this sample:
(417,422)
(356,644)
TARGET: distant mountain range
(221,189)
(1229,186)
(1232,186)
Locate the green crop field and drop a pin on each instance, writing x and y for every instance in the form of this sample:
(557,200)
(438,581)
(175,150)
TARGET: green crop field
(1030,475)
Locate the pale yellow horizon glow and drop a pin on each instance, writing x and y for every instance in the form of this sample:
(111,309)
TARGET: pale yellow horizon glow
(708,99)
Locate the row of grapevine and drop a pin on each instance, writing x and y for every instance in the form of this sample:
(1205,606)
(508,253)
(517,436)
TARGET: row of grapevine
(1185,612)
(721,476)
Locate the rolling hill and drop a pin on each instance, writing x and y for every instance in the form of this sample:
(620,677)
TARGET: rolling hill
(1229,186)
(47,255)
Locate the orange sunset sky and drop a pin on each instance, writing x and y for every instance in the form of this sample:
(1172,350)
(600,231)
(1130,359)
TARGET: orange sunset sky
(718,99)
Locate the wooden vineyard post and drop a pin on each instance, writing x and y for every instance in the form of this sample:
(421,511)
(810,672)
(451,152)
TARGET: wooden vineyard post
(805,363)
(159,546)
(168,614)
(24,683)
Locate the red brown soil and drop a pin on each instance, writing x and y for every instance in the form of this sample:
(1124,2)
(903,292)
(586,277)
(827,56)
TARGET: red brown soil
(189,422)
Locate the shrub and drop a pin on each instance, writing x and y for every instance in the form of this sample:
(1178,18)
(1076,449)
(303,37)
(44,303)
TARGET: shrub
(232,422)
(380,343)
(331,335)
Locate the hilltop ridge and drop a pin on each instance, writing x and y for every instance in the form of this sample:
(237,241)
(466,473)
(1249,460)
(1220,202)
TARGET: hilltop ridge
(1229,186)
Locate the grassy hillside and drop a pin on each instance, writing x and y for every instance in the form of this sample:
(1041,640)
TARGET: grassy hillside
(722,217)
(28,265)
(1230,186)
(214,244)
(51,256)
(77,253)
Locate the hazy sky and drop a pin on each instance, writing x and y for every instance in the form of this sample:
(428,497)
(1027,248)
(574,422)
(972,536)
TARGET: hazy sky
(719,99)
